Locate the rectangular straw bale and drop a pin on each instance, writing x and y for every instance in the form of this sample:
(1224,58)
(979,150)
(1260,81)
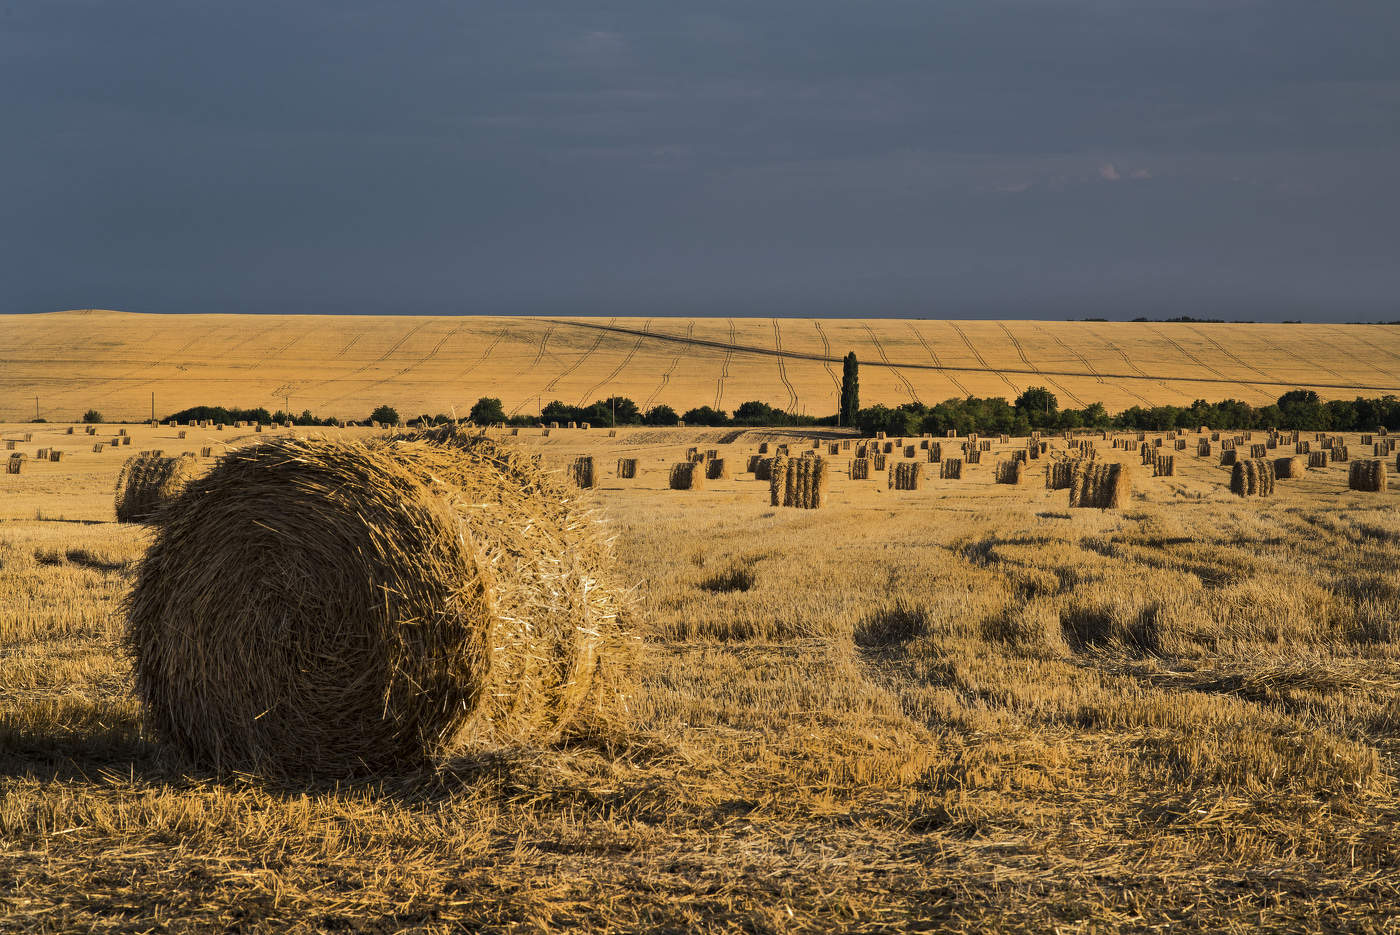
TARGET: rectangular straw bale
(950,469)
(581,472)
(909,451)
(763,469)
(98,447)
(1228,456)
(1099,486)
(807,481)
(777,480)
(877,462)
(626,468)
(906,475)
(1317,459)
(1181,444)
(973,457)
(1059,473)
(14,464)
(763,448)
(1285,468)
(860,469)
(716,469)
(935,452)
(1164,466)
(1252,477)
(687,475)
(1148,454)
(1368,474)
(55,454)
(1339,453)
(1258,451)
(834,448)
(1010,472)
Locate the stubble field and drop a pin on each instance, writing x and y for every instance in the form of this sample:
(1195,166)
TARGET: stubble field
(64,363)
(964,707)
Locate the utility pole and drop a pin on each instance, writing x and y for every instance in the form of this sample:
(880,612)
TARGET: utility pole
(36,409)
(153,406)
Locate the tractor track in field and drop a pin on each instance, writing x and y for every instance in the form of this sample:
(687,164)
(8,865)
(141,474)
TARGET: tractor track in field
(365,366)
(553,384)
(539,355)
(755,350)
(826,353)
(1016,343)
(1230,354)
(500,335)
(1361,338)
(724,365)
(583,400)
(880,349)
(1097,376)
(933,356)
(782,367)
(982,360)
(666,374)
(1204,366)
(411,367)
(355,339)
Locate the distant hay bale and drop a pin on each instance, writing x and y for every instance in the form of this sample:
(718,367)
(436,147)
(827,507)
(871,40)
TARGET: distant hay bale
(763,469)
(906,475)
(1317,459)
(973,457)
(1228,456)
(778,481)
(1010,472)
(1339,453)
(1367,474)
(692,454)
(15,463)
(711,454)
(717,469)
(763,448)
(1099,486)
(1286,468)
(126,439)
(834,448)
(950,469)
(877,462)
(41,455)
(1258,451)
(1149,454)
(206,452)
(98,448)
(1180,444)
(909,451)
(585,425)
(582,474)
(68,431)
(782,449)
(1164,466)
(688,475)
(626,468)
(1202,448)
(147,483)
(1253,477)
(334,608)
(180,434)
(860,469)
(887,448)
(935,452)
(10,444)
(573,425)
(1302,448)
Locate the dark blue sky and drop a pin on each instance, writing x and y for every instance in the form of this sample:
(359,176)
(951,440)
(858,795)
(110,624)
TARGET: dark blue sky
(942,158)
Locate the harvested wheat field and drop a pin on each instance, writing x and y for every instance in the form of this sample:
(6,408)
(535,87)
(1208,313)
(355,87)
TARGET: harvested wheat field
(345,366)
(959,707)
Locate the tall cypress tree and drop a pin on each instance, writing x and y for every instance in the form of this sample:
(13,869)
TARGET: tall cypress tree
(850,389)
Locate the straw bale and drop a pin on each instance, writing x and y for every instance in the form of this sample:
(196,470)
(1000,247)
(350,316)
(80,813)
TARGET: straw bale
(1164,466)
(778,480)
(1099,486)
(1317,459)
(336,608)
(147,483)
(1368,474)
(582,474)
(905,475)
(626,468)
(950,469)
(1010,472)
(1253,477)
(860,469)
(1285,468)
(716,469)
(688,475)
(15,463)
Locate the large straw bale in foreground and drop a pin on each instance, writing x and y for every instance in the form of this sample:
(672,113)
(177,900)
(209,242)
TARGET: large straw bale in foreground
(148,482)
(331,608)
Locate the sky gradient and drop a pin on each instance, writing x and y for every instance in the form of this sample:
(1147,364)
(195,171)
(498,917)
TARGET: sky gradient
(955,159)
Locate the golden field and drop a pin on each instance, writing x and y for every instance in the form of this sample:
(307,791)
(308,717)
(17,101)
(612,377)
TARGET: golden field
(345,366)
(960,708)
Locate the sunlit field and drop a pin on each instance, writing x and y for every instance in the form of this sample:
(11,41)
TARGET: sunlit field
(963,707)
(346,366)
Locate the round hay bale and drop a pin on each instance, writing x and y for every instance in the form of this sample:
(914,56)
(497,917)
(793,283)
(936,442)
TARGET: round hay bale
(148,482)
(326,608)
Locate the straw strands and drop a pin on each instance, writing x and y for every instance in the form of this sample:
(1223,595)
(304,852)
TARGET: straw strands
(331,608)
(147,483)
(1253,477)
